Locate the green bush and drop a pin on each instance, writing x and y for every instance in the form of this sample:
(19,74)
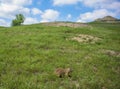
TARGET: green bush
(18,20)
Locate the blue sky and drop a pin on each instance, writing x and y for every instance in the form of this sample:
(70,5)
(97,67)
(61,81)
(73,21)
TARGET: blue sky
(36,11)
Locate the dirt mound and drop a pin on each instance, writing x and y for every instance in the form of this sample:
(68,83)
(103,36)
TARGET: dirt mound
(68,24)
(111,53)
(82,38)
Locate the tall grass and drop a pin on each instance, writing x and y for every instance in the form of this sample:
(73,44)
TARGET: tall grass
(30,54)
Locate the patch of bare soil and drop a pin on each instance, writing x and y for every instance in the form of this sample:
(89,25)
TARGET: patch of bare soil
(68,24)
(82,38)
(111,53)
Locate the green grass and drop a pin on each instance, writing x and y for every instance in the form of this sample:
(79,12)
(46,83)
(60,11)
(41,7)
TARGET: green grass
(30,54)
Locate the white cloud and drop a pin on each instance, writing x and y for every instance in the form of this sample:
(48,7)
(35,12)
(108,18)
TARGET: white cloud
(3,23)
(101,4)
(17,2)
(49,15)
(36,11)
(112,5)
(105,4)
(90,16)
(9,10)
(93,3)
(24,10)
(44,20)
(30,20)
(64,2)
(21,2)
(69,16)
(79,20)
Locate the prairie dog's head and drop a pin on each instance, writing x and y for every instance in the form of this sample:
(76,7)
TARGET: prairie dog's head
(68,71)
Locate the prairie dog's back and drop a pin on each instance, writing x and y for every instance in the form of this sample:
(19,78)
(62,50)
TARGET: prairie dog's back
(60,72)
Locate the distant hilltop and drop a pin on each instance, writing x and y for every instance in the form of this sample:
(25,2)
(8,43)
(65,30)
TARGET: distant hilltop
(108,19)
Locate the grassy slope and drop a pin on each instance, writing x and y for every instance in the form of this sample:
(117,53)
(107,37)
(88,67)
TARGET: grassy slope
(29,55)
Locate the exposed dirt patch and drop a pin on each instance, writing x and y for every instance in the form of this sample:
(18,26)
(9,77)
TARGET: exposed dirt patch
(68,24)
(82,38)
(111,53)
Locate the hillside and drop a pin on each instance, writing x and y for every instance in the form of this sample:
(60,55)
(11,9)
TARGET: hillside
(1,27)
(30,54)
(67,24)
(108,19)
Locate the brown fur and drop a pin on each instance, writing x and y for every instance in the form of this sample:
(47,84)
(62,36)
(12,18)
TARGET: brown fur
(60,72)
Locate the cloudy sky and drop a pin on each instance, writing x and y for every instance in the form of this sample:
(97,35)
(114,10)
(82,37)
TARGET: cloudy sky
(36,11)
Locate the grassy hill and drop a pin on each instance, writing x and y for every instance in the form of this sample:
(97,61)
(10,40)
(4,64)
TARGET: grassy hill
(30,54)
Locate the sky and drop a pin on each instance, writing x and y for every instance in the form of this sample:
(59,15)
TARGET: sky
(37,11)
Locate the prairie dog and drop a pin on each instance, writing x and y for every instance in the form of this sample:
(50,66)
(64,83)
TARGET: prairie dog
(60,72)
